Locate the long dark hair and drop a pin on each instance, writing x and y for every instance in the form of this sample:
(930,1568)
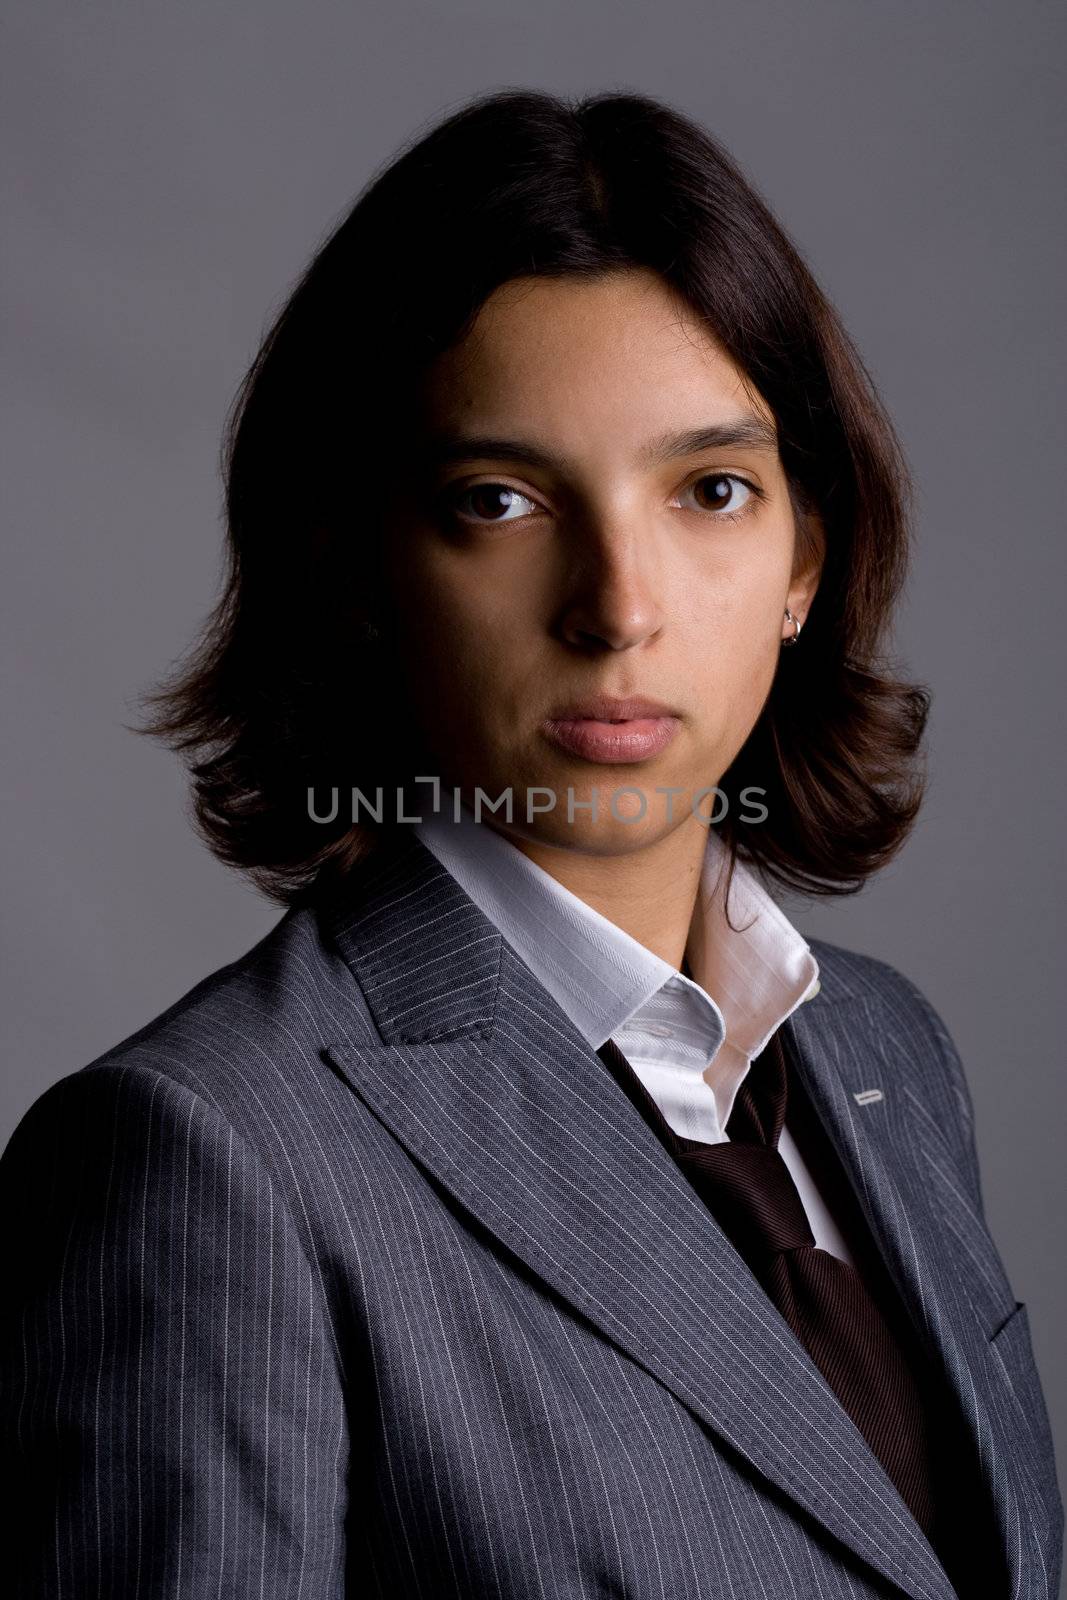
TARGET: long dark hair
(518,183)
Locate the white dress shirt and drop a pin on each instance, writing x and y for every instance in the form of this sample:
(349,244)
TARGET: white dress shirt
(689,1040)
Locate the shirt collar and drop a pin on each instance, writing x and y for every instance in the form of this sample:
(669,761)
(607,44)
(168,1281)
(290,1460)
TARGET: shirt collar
(746,979)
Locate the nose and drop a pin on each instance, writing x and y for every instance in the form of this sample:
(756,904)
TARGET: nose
(613,592)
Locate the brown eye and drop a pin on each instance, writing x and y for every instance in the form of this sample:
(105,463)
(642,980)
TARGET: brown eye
(490,502)
(718,491)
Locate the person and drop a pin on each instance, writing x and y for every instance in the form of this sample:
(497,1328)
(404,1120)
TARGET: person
(534,1211)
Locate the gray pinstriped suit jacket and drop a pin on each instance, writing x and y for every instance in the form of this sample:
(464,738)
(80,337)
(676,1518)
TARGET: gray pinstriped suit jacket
(355,1273)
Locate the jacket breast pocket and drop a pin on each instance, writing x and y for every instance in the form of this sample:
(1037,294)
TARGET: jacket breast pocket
(1013,1352)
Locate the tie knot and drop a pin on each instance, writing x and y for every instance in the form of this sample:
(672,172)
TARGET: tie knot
(751,1193)
(758,1115)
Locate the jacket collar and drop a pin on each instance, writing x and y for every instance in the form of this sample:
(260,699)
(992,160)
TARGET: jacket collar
(746,978)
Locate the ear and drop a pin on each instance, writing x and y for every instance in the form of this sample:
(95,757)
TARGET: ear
(809,557)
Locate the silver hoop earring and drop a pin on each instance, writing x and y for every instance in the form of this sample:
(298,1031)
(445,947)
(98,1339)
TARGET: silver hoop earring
(789,617)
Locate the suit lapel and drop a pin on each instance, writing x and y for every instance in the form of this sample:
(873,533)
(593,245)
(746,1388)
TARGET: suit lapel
(892,1163)
(490,1087)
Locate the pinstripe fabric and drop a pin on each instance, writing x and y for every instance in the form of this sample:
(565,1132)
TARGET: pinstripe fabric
(355,1273)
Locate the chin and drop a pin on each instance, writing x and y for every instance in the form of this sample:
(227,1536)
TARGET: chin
(608,835)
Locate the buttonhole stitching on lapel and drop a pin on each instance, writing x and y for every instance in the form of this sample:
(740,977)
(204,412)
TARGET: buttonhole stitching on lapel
(868,1097)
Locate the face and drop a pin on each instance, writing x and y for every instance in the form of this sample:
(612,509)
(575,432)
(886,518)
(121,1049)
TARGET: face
(566,537)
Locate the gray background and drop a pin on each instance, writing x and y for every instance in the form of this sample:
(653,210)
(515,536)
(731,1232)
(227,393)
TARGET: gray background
(167,174)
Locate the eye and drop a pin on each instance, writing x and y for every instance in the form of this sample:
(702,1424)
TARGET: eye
(490,502)
(717,491)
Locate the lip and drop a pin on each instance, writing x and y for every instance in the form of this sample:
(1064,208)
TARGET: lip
(612,731)
(610,708)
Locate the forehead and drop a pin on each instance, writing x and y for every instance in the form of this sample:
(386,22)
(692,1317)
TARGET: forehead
(623,348)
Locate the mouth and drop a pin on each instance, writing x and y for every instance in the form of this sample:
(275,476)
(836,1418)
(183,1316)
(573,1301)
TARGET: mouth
(612,731)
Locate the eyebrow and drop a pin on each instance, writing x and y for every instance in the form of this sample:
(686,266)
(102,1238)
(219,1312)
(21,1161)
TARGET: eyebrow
(747,431)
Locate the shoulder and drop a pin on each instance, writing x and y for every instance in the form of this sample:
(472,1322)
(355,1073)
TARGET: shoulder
(243,1047)
(851,977)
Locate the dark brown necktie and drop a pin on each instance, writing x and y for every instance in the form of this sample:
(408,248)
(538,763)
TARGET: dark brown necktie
(748,1188)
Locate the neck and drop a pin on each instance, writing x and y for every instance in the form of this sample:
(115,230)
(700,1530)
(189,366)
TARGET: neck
(650,893)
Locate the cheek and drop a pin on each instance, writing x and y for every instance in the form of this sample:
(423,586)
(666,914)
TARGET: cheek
(466,613)
(734,611)
(460,647)
(732,651)
(436,613)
